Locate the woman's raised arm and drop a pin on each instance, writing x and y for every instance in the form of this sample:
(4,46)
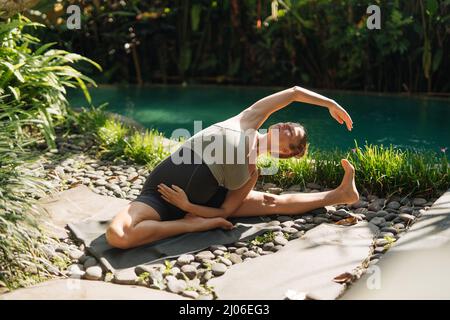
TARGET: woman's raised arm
(254,116)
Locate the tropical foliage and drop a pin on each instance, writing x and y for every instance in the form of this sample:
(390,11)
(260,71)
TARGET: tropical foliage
(33,82)
(33,79)
(321,44)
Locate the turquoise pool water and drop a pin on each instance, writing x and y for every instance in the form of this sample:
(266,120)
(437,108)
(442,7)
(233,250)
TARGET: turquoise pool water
(380,119)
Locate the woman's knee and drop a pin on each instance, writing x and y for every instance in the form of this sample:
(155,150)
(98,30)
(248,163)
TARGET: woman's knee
(117,237)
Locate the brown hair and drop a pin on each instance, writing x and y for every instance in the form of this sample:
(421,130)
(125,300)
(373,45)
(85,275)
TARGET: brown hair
(299,149)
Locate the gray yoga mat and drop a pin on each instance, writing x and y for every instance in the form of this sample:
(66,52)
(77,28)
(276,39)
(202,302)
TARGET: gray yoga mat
(87,215)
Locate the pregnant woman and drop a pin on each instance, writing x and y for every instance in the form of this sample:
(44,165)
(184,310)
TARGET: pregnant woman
(211,176)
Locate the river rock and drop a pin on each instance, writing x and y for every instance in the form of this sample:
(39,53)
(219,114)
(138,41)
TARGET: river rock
(389,229)
(189,270)
(241,251)
(250,254)
(93,273)
(217,247)
(382,213)
(273,223)
(376,205)
(390,216)
(235,258)
(393,205)
(176,285)
(75,254)
(140,269)
(290,230)
(75,271)
(300,221)
(268,246)
(419,201)
(190,294)
(406,217)
(204,255)
(280,240)
(284,218)
(319,220)
(360,204)
(240,244)
(407,210)
(377,221)
(218,269)
(381,242)
(127,276)
(185,259)
(225,261)
(287,224)
(89,262)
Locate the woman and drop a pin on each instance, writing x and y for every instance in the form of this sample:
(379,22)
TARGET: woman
(199,194)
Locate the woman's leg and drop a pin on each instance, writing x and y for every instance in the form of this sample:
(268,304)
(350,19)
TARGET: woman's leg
(139,224)
(259,203)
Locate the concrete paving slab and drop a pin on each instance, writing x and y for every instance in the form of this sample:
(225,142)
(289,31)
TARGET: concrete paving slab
(76,289)
(417,266)
(305,265)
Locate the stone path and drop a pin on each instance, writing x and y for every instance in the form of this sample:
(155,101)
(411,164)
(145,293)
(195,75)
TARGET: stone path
(417,266)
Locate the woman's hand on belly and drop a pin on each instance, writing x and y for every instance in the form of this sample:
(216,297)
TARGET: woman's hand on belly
(175,196)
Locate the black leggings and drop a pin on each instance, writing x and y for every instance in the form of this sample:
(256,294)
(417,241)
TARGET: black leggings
(196,180)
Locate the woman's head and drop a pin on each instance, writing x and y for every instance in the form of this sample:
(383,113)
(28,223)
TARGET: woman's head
(292,138)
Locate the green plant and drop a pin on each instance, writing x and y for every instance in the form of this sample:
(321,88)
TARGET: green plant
(88,120)
(33,79)
(144,277)
(112,138)
(20,236)
(264,238)
(167,267)
(146,148)
(207,265)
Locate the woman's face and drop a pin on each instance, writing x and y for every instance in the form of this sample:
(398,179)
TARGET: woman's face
(289,136)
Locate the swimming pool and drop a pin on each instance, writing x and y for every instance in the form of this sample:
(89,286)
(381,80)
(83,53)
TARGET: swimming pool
(403,121)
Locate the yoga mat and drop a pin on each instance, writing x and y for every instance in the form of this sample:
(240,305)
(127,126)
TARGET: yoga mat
(87,215)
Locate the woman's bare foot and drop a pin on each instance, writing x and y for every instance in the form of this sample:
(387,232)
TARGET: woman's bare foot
(347,190)
(202,224)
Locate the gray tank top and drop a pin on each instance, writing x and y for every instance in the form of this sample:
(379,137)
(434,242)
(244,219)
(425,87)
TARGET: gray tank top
(225,151)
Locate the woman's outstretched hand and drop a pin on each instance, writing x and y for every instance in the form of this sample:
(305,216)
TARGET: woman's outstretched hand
(175,196)
(341,116)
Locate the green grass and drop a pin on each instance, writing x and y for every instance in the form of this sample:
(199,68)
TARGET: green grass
(145,148)
(117,140)
(380,170)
